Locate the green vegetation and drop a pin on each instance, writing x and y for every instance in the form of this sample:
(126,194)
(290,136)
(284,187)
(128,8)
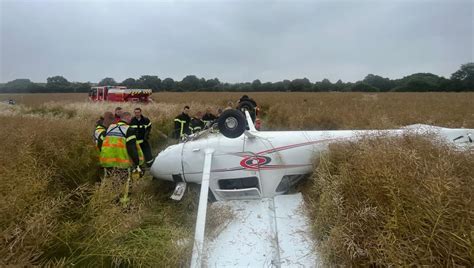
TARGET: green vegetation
(461,80)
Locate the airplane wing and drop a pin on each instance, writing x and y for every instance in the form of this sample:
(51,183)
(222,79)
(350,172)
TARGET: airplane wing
(196,258)
(267,232)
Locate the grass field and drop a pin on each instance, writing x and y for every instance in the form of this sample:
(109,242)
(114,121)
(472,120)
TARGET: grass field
(284,110)
(55,213)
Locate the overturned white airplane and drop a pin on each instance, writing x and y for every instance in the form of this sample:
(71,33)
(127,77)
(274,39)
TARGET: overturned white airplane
(250,164)
(240,163)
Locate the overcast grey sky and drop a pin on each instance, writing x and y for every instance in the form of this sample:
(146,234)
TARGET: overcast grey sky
(234,40)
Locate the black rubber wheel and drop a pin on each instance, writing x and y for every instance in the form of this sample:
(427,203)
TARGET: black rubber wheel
(247,106)
(232,123)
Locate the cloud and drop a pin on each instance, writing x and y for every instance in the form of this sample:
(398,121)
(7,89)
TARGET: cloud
(233,40)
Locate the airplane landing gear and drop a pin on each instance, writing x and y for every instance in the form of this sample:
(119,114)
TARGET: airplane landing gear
(232,123)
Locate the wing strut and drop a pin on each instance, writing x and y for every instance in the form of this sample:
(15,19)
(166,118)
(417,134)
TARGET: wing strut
(250,122)
(196,259)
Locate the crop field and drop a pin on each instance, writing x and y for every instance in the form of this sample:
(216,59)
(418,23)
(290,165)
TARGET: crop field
(282,110)
(405,201)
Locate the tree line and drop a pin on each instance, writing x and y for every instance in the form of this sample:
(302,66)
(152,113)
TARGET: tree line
(461,80)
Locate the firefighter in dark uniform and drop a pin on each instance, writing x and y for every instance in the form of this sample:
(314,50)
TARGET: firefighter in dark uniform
(247,98)
(181,124)
(249,104)
(101,128)
(196,124)
(142,126)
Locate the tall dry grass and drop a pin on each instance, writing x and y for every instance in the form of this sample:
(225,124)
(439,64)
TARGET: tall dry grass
(371,111)
(290,110)
(33,100)
(55,213)
(394,202)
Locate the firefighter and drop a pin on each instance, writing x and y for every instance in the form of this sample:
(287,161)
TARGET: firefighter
(101,127)
(249,104)
(208,118)
(247,98)
(142,126)
(120,148)
(181,124)
(121,154)
(118,113)
(196,123)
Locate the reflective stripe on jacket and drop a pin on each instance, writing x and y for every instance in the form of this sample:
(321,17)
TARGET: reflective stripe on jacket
(181,128)
(99,134)
(181,125)
(142,128)
(208,119)
(196,125)
(114,151)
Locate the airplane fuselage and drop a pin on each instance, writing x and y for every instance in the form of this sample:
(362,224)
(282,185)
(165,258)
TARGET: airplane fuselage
(263,164)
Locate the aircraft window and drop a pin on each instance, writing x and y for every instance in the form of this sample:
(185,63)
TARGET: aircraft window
(240,183)
(289,181)
(177,178)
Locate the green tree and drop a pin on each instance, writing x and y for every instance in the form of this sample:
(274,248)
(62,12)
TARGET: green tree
(202,83)
(280,86)
(57,84)
(300,85)
(57,80)
(212,84)
(190,83)
(363,87)
(419,82)
(80,87)
(267,86)
(326,85)
(17,85)
(464,77)
(168,84)
(256,85)
(129,82)
(286,84)
(150,81)
(108,81)
(383,84)
(339,85)
(245,87)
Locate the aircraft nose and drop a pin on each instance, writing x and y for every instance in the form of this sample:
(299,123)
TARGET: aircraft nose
(168,163)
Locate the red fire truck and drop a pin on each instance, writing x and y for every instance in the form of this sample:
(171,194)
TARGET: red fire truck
(119,94)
